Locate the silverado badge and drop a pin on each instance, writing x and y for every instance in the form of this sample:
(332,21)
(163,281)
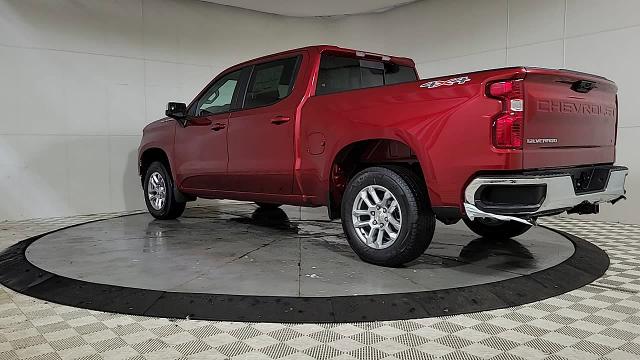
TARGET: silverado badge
(542,141)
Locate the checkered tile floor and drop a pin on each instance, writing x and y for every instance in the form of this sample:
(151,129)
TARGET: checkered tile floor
(598,321)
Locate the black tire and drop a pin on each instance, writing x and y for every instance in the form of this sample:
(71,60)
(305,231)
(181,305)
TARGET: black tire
(171,208)
(418,220)
(268,206)
(496,229)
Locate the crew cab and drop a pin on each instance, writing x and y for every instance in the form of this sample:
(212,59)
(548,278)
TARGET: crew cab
(388,153)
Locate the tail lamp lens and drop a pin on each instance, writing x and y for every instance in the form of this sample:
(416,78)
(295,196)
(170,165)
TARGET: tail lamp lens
(507,132)
(501,89)
(508,125)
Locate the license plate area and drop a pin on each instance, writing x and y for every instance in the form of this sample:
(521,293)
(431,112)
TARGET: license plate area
(589,179)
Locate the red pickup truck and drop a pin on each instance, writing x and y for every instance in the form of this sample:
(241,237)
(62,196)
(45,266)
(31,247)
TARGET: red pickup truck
(386,152)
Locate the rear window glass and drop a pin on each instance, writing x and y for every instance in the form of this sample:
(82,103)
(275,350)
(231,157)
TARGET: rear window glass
(341,73)
(371,73)
(270,82)
(396,74)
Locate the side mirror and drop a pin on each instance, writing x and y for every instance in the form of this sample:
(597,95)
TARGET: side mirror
(176,110)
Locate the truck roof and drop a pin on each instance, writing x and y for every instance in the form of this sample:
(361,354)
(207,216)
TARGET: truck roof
(336,49)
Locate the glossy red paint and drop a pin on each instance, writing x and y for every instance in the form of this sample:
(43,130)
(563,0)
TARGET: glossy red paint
(584,123)
(286,152)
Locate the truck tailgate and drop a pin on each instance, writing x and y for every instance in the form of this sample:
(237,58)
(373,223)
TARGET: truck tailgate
(570,119)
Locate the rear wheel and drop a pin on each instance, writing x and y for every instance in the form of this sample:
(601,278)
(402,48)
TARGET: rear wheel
(386,216)
(159,193)
(268,206)
(491,228)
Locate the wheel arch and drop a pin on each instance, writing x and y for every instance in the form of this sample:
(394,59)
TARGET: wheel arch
(359,154)
(148,156)
(152,154)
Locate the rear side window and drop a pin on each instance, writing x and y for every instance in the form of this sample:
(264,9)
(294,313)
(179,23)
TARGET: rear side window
(338,74)
(341,73)
(270,82)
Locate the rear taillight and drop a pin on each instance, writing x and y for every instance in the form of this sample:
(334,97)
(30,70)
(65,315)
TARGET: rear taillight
(508,125)
(507,132)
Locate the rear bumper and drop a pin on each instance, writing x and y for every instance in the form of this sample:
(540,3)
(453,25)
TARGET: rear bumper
(525,197)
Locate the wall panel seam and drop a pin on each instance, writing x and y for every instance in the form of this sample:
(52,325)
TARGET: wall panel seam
(100,54)
(460,56)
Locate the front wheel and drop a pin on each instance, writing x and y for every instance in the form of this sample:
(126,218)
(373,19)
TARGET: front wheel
(498,229)
(159,193)
(386,216)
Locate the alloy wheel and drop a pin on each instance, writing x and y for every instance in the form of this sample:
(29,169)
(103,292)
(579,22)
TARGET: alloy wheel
(377,217)
(157,191)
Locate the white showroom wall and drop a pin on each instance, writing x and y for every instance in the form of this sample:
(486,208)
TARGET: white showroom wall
(453,36)
(81,78)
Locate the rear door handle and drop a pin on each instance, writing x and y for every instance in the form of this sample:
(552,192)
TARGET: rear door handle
(218,126)
(279,120)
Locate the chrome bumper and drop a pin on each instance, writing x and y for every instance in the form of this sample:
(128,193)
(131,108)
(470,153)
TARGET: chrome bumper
(560,194)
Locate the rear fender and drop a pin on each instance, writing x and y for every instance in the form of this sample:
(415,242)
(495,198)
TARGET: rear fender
(373,150)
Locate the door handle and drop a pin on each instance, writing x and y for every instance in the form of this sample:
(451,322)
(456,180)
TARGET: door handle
(218,126)
(279,120)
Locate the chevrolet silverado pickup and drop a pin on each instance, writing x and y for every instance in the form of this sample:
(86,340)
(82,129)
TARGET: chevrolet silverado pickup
(386,152)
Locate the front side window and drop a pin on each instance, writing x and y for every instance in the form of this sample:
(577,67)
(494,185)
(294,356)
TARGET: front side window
(218,98)
(342,73)
(270,82)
